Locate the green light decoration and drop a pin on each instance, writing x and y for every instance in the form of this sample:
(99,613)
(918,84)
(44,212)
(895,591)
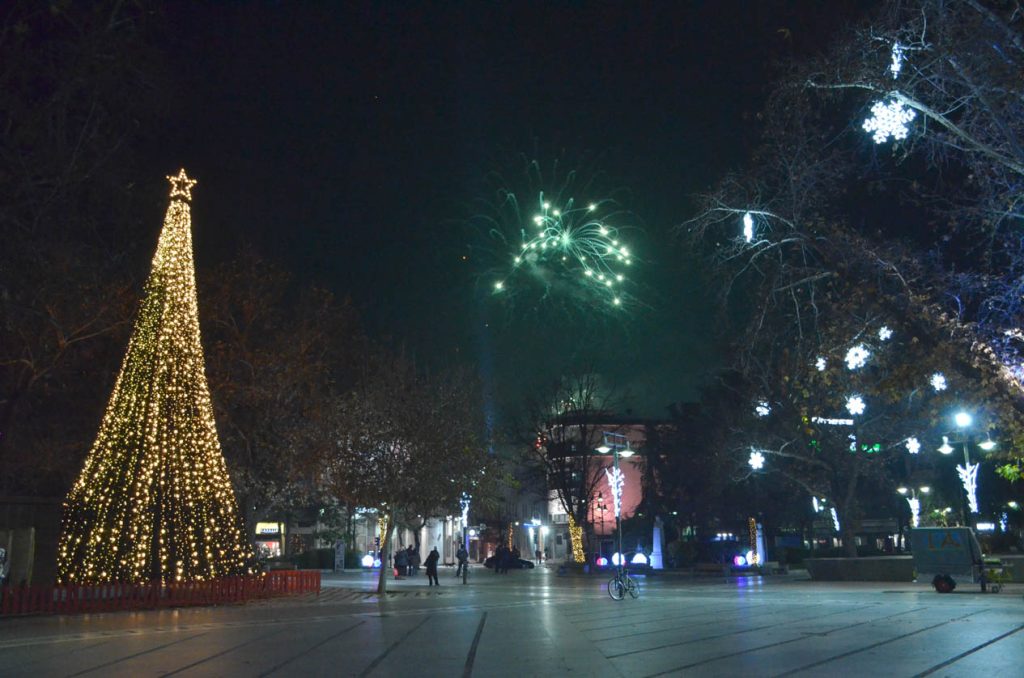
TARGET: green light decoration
(565,241)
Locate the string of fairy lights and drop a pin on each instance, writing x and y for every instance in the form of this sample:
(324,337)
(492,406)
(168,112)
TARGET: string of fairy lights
(576,539)
(154,499)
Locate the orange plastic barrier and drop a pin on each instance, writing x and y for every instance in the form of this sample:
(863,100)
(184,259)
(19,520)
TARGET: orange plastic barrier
(76,599)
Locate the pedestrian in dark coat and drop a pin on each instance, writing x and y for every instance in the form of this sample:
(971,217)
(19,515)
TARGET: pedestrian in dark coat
(506,560)
(401,564)
(431,564)
(414,560)
(462,556)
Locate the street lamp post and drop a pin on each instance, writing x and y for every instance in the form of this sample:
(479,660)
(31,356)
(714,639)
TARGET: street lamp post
(614,442)
(756,462)
(968,472)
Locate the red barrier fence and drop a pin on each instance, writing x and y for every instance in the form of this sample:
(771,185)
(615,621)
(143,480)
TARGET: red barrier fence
(74,599)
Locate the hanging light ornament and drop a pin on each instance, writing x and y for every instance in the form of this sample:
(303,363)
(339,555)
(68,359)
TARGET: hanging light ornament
(748,227)
(889,120)
(897,60)
(915,511)
(855,404)
(615,483)
(857,357)
(969,477)
(756,460)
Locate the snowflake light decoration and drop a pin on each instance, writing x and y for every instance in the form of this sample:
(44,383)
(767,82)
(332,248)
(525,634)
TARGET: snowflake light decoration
(821,363)
(857,356)
(889,120)
(913,445)
(855,404)
(756,460)
(748,227)
(938,381)
(885,334)
(763,409)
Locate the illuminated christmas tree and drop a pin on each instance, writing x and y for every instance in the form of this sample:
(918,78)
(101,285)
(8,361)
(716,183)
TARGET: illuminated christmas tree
(154,501)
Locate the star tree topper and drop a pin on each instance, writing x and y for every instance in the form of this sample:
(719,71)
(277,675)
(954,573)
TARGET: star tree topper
(181,185)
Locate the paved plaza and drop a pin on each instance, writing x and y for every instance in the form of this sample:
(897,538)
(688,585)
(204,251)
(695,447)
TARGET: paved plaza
(536,623)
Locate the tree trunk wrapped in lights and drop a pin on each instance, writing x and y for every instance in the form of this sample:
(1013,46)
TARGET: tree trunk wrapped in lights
(154,500)
(576,541)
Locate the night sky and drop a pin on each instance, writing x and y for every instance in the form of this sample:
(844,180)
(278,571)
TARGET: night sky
(352,144)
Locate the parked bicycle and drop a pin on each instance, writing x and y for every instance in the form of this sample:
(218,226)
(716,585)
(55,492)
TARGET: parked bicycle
(622,583)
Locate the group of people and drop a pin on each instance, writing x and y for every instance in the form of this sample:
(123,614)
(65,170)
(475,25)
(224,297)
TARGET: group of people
(407,563)
(504,557)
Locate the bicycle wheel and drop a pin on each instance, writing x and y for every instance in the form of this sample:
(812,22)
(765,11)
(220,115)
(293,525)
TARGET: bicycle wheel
(616,589)
(632,587)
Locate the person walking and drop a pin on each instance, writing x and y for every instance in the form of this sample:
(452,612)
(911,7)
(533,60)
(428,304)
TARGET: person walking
(506,559)
(414,560)
(431,564)
(463,557)
(401,564)
(499,554)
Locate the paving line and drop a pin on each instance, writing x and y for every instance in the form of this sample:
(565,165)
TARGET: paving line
(960,656)
(184,628)
(619,619)
(878,644)
(663,630)
(803,636)
(132,656)
(309,649)
(218,654)
(670,618)
(382,656)
(467,670)
(774,624)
